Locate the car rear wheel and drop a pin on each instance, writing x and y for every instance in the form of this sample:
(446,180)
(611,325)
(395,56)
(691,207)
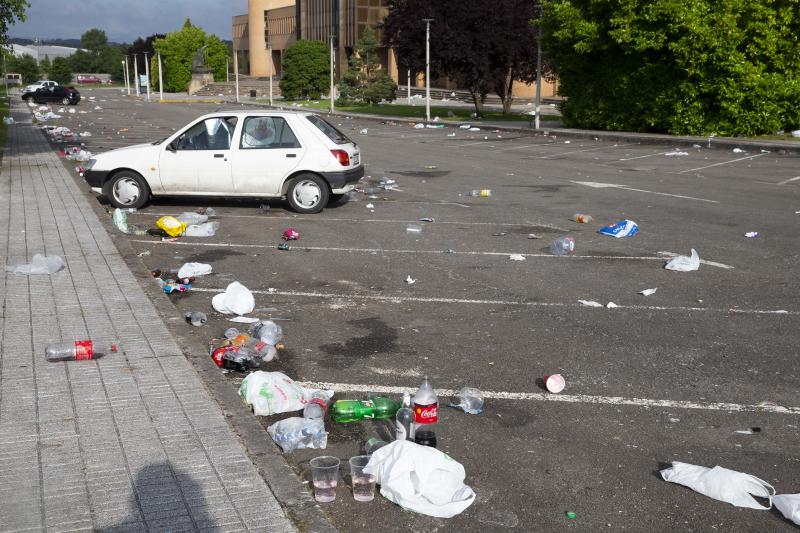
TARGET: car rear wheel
(307,193)
(127,189)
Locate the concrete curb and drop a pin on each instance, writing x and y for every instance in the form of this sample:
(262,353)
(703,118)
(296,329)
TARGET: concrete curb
(291,493)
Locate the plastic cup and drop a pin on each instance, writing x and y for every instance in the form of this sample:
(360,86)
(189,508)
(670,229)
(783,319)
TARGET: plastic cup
(325,475)
(363,483)
(555,383)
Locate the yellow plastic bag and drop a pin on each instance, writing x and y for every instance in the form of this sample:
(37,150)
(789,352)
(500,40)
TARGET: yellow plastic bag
(171,225)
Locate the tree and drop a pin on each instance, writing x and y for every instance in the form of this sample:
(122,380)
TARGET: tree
(305,70)
(177,50)
(26,66)
(699,67)
(95,41)
(9,11)
(61,71)
(486,47)
(365,81)
(141,46)
(45,66)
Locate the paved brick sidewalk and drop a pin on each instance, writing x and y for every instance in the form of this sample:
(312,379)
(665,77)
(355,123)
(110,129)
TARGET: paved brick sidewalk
(130,442)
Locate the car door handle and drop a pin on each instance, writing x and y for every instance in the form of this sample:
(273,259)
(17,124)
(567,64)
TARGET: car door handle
(291,155)
(219,155)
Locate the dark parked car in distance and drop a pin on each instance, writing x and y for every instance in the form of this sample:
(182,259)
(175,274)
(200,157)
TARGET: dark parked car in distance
(59,93)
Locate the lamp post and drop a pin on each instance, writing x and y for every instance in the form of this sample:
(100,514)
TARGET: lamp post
(332,88)
(160,80)
(236,72)
(428,69)
(127,76)
(147,75)
(538,109)
(136,74)
(269,71)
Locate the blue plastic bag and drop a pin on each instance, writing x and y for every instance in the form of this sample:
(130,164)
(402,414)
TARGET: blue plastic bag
(623,228)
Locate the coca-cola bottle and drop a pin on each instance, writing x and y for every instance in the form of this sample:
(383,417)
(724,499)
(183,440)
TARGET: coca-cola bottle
(78,350)
(426,405)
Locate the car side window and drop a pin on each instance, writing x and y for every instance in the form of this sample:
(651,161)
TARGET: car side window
(210,134)
(267,132)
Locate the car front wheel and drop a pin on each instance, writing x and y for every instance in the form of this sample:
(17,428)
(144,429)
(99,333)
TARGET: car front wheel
(127,189)
(307,193)
(65,101)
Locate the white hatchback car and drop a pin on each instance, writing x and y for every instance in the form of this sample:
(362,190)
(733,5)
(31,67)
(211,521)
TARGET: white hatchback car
(259,154)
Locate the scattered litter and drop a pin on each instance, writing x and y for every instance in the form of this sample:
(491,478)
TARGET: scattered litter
(474,129)
(269,393)
(533,236)
(97,108)
(171,226)
(500,234)
(623,228)
(738,151)
(8,120)
(697,147)
(71,110)
(435,126)
(170,287)
(582,219)
(299,433)
(516,257)
(39,265)
(590,303)
(121,222)
(465,126)
(735,488)
(431,167)
(796,133)
(363,131)
(567,142)
(751,234)
(142,254)
(267,331)
(555,383)
(421,479)
(571,515)
(676,153)
(681,263)
(789,504)
(410,280)
(451,134)
(419,126)
(611,305)
(291,234)
(748,431)
(427,219)
(648,292)
(244,320)
(85,134)
(209,229)
(192,270)
(369,206)
(470,401)
(196,318)
(236,300)
(413,228)
(284,246)
(192,218)
(484,193)
(562,246)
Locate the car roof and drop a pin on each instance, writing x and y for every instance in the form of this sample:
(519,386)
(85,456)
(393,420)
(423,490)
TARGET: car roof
(255,112)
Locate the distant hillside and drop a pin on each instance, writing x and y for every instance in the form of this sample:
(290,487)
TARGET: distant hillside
(72,43)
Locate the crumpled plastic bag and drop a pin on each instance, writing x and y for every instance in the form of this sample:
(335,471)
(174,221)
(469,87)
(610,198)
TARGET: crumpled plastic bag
(299,433)
(191,218)
(236,300)
(192,270)
(269,393)
(721,484)
(681,263)
(208,229)
(171,226)
(421,479)
(789,506)
(40,264)
(623,228)
(267,331)
(121,222)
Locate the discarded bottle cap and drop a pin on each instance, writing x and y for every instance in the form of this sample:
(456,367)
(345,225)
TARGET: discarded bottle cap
(554,383)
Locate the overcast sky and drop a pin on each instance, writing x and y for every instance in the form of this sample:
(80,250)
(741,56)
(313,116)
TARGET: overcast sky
(124,21)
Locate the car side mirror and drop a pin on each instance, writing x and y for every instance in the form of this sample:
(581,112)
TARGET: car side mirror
(172,147)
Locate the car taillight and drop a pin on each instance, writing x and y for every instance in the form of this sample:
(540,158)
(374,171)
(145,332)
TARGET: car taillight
(342,156)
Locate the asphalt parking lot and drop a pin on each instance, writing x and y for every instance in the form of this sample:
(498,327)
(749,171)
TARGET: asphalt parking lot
(668,377)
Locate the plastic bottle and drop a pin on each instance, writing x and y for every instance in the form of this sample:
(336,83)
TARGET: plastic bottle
(562,246)
(426,405)
(404,420)
(581,218)
(317,406)
(78,350)
(480,192)
(377,407)
(268,331)
(470,400)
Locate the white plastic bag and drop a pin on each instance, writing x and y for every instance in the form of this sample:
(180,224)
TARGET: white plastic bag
(299,433)
(192,270)
(236,300)
(421,479)
(789,505)
(202,230)
(269,393)
(681,263)
(40,264)
(721,484)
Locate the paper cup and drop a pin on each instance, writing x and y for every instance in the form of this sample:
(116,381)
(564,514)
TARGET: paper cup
(555,383)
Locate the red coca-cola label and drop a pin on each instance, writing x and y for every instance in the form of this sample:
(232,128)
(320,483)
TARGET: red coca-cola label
(83,350)
(219,352)
(426,414)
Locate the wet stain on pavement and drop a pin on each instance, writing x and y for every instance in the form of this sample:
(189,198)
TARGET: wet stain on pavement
(511,417)
(380,339)
(540,188)
(422,173)
(209,256)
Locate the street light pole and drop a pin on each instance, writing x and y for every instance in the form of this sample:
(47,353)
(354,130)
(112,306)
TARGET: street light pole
(332,88)
(538,110)
(160,80)
(428,69)
(269,71)
(236,72)
(147,74)
(127,76)
(136,74)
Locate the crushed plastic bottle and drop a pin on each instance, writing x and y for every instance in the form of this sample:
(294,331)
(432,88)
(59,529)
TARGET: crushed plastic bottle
(78,350)
(268,331)
(317,406)
(562,246)
(196,318)
(479,192)
(470,401)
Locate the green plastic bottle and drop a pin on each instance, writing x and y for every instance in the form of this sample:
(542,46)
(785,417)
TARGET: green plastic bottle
(376,407)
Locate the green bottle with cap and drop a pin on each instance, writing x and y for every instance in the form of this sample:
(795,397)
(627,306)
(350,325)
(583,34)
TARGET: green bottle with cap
(376,408)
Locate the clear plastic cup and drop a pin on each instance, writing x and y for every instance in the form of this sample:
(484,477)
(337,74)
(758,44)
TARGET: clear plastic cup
(363,483)
(325,475)
(413,228)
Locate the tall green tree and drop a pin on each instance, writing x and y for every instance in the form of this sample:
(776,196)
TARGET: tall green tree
(95,41)
(45,65)
(10,10)
(177,50)
(729,67)
(26,66)
(305,70)
(61,71)
(365,80)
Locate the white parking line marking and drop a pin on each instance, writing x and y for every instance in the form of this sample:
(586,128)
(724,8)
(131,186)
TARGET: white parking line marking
(568,398)
(789,180)
(436,252)
(419,299)
(641,156)
(722,163)
(586,150)
(597,185)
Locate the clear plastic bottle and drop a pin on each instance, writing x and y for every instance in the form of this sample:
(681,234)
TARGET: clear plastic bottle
(480,192)
(562,246)
(404,420)
(317,406)
(426,405)
(78,350)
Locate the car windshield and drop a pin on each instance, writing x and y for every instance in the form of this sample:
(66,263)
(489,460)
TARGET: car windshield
(328,129)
